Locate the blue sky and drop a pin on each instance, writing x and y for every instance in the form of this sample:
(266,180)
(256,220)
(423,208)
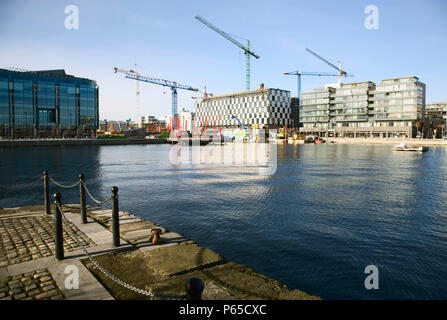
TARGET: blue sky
(165,40)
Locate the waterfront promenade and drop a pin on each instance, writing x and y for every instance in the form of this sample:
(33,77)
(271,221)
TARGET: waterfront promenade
(29,270)
(393,141)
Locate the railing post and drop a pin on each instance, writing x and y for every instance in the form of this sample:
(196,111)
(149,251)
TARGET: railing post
(194,288)
(82,204)
(115,218)
(58,231)
(46,192)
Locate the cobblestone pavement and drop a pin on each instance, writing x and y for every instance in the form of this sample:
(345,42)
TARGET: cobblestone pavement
(37,285)
(28,238)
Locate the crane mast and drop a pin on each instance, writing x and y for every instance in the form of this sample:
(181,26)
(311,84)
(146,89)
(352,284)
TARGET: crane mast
(138,100)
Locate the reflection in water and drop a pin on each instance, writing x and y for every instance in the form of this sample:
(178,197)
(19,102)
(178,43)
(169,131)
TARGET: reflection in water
(327,212)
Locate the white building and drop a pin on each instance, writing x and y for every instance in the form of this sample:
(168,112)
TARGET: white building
(185,118)
(264,108)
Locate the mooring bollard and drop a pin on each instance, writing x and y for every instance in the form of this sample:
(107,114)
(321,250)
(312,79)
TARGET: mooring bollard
(82,199)
(46,192)
(58,231)
(156,235)
(194,288)
(115,218)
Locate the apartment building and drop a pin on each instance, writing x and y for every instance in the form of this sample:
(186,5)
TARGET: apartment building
(436,118)
(399,106)
(393,108)
(314,111)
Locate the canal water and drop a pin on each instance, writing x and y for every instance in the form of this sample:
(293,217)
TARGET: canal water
(327,213)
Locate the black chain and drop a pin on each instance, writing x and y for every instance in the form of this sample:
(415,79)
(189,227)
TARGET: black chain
(64,186)
(110,275)
(94,200)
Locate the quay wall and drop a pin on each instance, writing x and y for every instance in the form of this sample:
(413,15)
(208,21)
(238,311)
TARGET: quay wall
(393,141)
(77,142)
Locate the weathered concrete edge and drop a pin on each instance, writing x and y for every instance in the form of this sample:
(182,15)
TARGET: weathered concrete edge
(91,283)
(203,267)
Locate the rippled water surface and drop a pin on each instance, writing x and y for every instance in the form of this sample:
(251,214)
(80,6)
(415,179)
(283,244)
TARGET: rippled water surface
(329,211)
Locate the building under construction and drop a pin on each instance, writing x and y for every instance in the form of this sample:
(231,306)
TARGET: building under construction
(263,108)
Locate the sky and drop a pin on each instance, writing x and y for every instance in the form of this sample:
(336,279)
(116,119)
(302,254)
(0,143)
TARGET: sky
(165,40)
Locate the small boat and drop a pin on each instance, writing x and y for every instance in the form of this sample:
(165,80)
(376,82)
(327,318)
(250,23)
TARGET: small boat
(403,147)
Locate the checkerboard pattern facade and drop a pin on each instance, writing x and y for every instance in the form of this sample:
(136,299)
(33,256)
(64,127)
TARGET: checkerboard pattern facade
(268,108)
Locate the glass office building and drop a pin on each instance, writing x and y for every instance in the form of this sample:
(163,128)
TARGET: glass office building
(39,104)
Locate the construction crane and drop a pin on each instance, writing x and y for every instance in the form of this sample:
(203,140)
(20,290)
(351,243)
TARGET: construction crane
(138,100)
(205,95)
(306,73)
(340,71)
(132,74)
(246,49)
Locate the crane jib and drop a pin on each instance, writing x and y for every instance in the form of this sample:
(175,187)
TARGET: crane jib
(131,74)
(227,36)
(161,82)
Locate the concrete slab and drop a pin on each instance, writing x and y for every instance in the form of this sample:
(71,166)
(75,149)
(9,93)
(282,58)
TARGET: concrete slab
(181,258)
(89,287)
(245,284)
(173,237)
(130,220)
(101,237)
(97,233)
(140,234)
(108,213)
(4,272)
(213,292)
(30,266)
(145,247)
(100,211)
(123,220)
(166,238)
(127,227)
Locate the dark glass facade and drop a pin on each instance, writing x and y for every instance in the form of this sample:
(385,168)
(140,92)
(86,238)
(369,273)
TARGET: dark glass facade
(47,104)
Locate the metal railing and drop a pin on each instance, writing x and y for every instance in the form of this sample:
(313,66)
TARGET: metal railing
(193,286)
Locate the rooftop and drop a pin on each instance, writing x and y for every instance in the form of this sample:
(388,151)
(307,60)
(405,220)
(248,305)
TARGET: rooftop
(55,73)
(261,89)
(407,77)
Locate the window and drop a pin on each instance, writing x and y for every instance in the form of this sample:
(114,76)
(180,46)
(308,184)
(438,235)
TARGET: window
(87,107)
(23,103)
(4,102)
(47,117)
(67,105)
(46,95)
